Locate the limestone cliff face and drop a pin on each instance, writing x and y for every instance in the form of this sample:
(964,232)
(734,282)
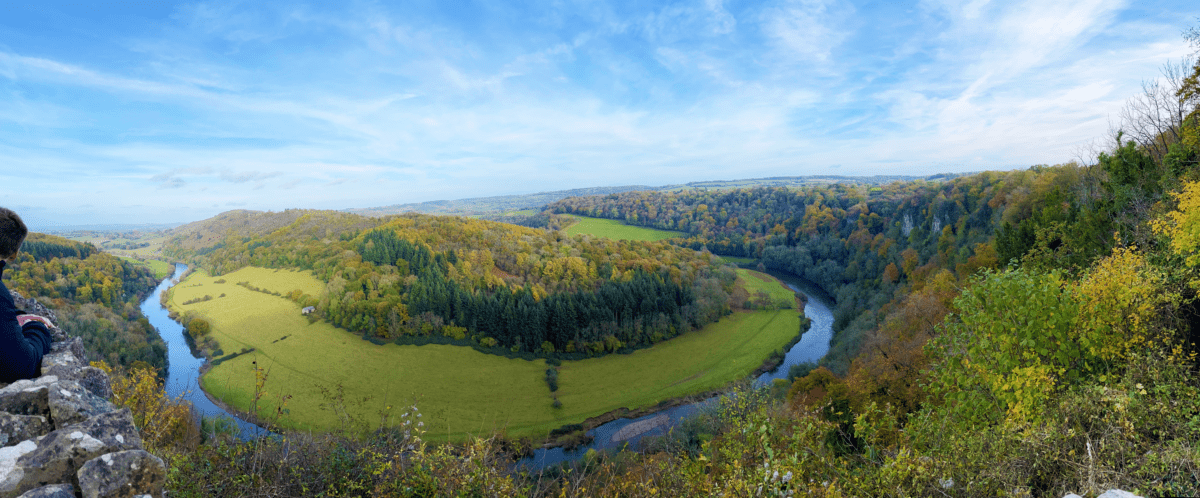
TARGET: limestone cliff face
(63,437)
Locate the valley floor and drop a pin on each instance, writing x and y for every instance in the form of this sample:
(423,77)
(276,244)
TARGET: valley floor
(329,372)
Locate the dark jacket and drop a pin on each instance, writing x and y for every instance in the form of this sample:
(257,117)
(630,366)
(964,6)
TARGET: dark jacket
(21,349)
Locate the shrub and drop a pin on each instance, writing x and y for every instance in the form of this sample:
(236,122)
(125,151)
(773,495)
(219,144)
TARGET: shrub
(801,370)
(163,422)
(198,327)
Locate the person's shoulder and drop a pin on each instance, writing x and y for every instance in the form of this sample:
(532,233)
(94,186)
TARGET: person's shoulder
(7,304)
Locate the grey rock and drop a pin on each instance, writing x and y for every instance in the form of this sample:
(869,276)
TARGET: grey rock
(122,475)
(27,396)
(91,378)
(57,456)
(72,344)
(17,428)
(12,474)
(1117,493)
(62,358)
(70,403)
(51,491)
(1071,495)
(95,381)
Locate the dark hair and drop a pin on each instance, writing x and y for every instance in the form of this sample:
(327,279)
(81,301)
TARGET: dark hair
(12,233)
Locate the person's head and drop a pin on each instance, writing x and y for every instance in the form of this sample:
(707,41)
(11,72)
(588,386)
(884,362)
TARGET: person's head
(12,233)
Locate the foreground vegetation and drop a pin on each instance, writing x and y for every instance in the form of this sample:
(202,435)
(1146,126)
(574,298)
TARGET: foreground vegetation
(249,323)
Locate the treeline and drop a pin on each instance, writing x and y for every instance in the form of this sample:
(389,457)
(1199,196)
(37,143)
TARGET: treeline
(96,297)
(44,247)
(860,243)
(484,283)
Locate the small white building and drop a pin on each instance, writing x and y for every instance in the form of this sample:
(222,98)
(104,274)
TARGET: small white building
(308,309)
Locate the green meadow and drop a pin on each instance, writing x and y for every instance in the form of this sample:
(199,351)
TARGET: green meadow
(160,268)
(614,229)
(754,282)
(459,390)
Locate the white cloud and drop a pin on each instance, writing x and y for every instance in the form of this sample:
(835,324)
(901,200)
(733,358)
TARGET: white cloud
(808,29)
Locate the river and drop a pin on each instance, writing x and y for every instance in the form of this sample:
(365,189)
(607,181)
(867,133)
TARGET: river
(184,370)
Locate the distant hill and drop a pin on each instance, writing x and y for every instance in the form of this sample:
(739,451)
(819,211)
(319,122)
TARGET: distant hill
(118,227)
(484,206)
(211,233)
(497,204)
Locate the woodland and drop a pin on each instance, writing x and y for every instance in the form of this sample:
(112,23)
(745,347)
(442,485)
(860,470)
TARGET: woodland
(413,279)
(95,296)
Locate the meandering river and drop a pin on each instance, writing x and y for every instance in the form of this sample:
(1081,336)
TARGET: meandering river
(184,372)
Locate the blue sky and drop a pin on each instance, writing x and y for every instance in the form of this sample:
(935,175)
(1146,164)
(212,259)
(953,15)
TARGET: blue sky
(155,112)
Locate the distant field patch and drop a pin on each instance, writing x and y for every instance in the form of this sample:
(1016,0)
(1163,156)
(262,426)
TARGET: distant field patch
(754,281)
(160,268)
(459,390)
(119,245)
(613,229)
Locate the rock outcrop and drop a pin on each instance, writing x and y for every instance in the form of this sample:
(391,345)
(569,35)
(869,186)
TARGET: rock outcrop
(63,437)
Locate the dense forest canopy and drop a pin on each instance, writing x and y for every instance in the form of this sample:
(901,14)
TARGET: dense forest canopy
(95,295)
(476,282)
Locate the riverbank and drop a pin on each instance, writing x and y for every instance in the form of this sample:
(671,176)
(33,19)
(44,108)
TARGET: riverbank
(183,367)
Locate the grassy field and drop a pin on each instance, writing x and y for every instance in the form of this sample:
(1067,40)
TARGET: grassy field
(161,268)
(754,281)
(614,229)
(459,390)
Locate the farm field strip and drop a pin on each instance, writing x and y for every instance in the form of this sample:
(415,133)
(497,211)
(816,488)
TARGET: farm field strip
(613,229)
(754,281)
(160,268)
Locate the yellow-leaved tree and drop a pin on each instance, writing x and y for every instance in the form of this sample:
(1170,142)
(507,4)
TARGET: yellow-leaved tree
(162,421)
(1119,298)
(1182,226)
(1018,336)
